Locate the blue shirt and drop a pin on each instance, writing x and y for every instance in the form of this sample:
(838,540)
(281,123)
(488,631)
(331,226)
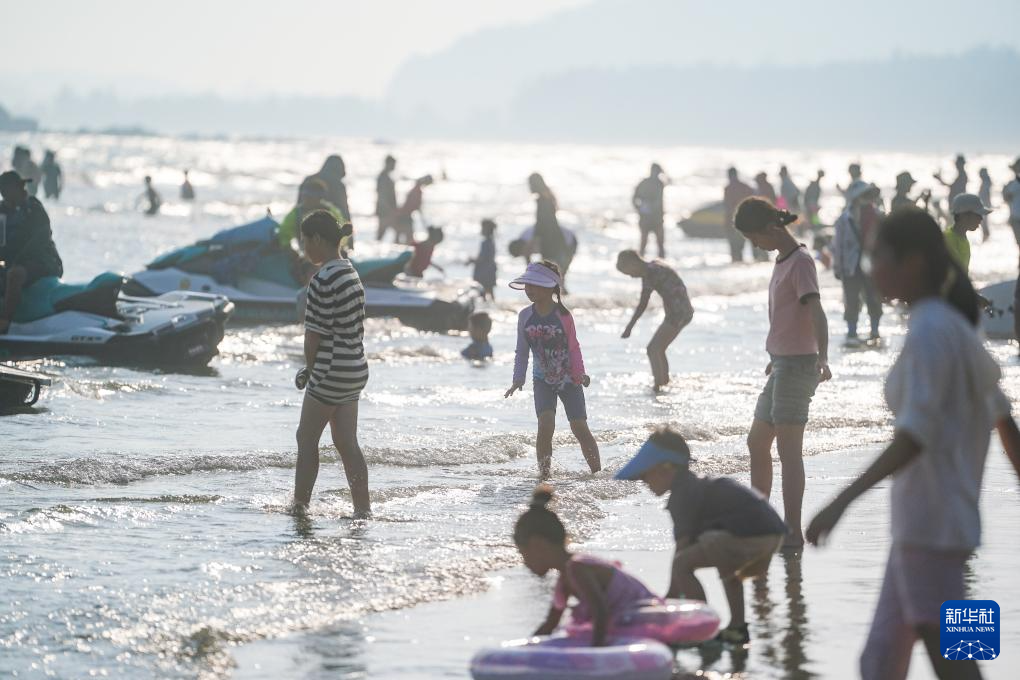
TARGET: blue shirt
(477,350)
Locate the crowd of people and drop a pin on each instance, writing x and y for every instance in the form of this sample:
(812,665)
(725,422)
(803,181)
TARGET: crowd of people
(943,388)
(943,391)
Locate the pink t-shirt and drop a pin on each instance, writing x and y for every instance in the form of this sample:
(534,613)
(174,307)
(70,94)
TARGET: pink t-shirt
(791,331)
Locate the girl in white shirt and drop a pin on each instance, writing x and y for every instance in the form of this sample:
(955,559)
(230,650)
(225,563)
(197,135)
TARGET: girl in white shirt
(943,391)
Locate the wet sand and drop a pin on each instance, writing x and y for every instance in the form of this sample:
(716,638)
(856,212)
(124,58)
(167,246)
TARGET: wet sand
(809,617)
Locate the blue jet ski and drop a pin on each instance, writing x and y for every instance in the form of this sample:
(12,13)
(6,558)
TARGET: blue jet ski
(247,265)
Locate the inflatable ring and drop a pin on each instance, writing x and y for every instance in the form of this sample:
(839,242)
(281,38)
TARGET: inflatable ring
(567,658)
(672,622)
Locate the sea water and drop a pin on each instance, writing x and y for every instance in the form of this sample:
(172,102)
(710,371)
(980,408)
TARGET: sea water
(143,514)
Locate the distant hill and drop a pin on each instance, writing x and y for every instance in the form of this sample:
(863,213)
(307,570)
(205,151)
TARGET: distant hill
(483,72)
(966,101)
(10,123)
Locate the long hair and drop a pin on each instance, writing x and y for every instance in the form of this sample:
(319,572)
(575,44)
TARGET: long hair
(539,520)
(537,184)
(910,231)
(548,264)
(754,214)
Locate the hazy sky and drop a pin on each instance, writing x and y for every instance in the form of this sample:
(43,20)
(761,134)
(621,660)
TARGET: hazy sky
(324,47)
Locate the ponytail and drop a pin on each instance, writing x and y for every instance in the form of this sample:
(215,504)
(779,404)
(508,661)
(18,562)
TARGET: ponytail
(539,520)
(755,214)
(909,231)
(548,264)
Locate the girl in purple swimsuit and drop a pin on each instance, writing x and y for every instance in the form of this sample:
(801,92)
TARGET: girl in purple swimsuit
(603,591)
(545,329)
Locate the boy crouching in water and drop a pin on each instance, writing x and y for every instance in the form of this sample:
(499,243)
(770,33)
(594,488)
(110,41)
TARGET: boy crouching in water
(717,522)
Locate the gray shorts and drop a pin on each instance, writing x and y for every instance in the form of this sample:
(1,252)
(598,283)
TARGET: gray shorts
(570,394)
(787,394)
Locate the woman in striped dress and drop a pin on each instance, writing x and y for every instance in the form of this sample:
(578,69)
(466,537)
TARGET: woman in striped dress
(335,367)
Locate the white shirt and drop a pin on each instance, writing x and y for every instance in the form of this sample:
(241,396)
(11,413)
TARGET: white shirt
(944,391)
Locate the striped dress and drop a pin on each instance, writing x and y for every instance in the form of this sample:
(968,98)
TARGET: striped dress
(336,311)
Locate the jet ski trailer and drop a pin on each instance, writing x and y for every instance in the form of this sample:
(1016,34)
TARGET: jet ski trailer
(20,388)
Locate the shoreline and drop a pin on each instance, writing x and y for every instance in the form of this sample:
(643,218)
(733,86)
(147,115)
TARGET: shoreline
(808,618)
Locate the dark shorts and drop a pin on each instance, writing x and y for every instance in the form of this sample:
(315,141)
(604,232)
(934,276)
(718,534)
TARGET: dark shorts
(570,394)
(788,392)
(650,222)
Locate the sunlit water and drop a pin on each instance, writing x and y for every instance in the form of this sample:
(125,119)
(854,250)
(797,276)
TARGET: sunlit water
(143,524)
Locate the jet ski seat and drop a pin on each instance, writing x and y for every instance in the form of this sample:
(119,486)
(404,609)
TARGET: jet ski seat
(382,270)
(49,295)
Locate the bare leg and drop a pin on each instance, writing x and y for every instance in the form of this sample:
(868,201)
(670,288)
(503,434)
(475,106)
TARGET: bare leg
(656,349)
(683,582)
(644,242)
(314,416)
(344,428)
(734,588)
(790,443)
(660,239)
(543,442)
(589,447)
(943,667)
(759,445)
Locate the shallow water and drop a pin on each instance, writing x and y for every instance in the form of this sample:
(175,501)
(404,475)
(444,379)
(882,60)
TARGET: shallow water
(143,530)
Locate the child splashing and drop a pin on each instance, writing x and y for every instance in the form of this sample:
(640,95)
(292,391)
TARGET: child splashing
(603,591)
(546,329)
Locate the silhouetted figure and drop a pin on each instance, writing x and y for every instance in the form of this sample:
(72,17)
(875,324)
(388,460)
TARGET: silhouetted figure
(152,196)
(53,176)
(855,232)
(789,194)
(735,192)
(28,169)
(404,222)
(854,171)
(985,194)
(904,183)
(386,198)
(648,202)
(813,199)
(764,189)
(552,244)
(187,191)
(27,247)
(959,185)
(1011,195)
(332,174)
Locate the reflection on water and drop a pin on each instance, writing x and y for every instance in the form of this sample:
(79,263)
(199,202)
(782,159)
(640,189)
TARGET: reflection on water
(143,514)
(779,629)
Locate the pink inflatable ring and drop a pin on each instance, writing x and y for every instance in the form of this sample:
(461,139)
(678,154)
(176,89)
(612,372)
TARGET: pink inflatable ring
(565,658)
(672,622)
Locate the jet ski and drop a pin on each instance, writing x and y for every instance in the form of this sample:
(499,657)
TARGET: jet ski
(20,388)
(246,265)
(97,319)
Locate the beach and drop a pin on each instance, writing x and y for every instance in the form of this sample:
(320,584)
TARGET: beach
(808,617)
(144,530)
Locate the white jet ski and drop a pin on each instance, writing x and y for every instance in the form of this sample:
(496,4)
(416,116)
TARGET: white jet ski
(246,265)
(179,329)
(997,320)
